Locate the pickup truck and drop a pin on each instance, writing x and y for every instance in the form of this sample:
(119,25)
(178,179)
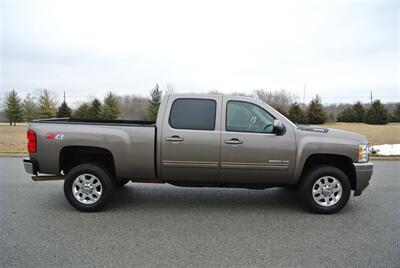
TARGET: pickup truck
(204,141)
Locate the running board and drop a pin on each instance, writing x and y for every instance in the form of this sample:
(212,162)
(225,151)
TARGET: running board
(47,178)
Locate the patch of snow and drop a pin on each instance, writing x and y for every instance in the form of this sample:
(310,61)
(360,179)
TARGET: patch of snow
(385,149)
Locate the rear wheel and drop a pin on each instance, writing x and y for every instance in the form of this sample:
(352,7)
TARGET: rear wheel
(88,187)
(325,189)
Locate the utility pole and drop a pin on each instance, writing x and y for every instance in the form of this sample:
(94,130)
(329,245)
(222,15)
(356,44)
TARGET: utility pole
(371,96)
(304,94)
(64,95)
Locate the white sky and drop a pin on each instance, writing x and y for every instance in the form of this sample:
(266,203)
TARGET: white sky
(341,49)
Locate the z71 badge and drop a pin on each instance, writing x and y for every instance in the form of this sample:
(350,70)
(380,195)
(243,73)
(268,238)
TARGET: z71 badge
(55,136)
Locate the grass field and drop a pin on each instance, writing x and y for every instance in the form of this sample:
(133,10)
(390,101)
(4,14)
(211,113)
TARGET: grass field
(376,134)
(13,139)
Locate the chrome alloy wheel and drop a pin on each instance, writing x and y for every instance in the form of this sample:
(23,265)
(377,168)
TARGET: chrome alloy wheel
(87,189)
(327,191)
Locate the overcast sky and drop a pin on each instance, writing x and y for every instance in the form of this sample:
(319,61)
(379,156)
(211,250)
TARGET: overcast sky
(341,49)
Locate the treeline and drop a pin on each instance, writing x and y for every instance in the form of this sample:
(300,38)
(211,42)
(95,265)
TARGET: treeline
(315,113)
(375,114)
(43,105)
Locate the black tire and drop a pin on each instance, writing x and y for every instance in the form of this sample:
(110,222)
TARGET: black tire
(121,183)
(311,177)
(104,183)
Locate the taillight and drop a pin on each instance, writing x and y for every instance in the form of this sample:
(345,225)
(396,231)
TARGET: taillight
(31,135)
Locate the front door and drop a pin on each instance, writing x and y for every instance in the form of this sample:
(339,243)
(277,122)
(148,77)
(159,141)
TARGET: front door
(190,143)
(250,152)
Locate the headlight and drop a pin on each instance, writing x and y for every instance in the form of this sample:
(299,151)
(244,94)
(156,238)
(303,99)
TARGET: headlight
(363,153)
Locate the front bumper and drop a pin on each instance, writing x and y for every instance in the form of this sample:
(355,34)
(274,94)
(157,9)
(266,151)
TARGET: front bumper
(363,175)
(31,166)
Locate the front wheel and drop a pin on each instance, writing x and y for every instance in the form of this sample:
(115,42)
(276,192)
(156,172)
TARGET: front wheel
(88,187)
(325,189)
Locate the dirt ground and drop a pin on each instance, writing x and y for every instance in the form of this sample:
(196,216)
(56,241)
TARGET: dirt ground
(13,139)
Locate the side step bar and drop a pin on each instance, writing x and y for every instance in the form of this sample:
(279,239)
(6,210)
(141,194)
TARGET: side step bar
(47,178)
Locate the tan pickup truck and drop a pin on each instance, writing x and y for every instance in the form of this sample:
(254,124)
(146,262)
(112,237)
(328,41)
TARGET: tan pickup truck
(199,140)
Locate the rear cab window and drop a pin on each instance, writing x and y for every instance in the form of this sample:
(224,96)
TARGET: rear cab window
(194,114)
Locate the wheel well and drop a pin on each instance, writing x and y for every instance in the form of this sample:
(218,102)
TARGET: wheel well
(71,156)
(341,162)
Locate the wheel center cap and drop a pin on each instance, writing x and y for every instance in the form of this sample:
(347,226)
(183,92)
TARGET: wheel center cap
(327,192)
(87,188)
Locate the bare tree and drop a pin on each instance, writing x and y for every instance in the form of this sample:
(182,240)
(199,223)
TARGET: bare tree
(169,89)
(282,98)
(133,107)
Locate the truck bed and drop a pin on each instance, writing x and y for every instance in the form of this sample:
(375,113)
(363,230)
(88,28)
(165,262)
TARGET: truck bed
(131,143)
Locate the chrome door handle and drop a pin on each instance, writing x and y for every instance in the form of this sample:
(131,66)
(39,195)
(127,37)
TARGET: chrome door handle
(174,138)
(234,141)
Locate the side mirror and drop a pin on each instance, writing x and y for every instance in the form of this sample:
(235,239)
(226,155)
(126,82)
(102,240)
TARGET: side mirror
(278,127)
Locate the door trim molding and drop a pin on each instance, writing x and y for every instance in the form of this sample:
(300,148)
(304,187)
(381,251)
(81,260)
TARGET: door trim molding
(262,166)
(190,164)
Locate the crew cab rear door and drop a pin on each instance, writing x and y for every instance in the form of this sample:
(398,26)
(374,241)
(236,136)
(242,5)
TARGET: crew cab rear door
(190,139)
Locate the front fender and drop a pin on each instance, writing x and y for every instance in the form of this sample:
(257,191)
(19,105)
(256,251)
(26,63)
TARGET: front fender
(318,144)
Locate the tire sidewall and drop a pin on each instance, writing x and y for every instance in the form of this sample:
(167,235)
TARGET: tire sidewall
(312,176)
(104,178)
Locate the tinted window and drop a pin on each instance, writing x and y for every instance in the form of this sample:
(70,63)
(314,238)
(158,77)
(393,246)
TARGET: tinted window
(247,117)
(198,114)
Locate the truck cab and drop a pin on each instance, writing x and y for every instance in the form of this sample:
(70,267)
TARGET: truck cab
(226,139)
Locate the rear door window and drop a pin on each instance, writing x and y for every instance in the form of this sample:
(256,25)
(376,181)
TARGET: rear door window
(195,114)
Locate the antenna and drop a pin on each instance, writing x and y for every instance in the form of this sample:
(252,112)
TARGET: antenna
(371,96)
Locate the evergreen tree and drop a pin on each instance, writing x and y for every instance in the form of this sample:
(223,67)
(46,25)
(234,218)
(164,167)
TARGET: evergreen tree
(347,115)
(13,107)
(359,112)
(111,108)
(280,109)
(396,114)
(296,114)
(355,113)
(377,114)
(82,111)
(331,117)
(29,108)
(46,105)
(315,111)
(64,110)
(95,109)
(154,103)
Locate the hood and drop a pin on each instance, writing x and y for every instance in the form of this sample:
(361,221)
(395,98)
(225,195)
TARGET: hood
(334,133)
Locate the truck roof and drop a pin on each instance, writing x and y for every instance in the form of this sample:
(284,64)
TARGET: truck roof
(204,95)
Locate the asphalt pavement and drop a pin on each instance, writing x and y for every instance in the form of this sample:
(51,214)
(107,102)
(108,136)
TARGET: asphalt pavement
(162,225)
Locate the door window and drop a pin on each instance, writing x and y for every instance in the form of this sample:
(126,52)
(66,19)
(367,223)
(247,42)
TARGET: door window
(196,114)
(248,117)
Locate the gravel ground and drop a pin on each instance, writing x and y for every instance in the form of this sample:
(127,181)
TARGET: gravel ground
(162,225)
